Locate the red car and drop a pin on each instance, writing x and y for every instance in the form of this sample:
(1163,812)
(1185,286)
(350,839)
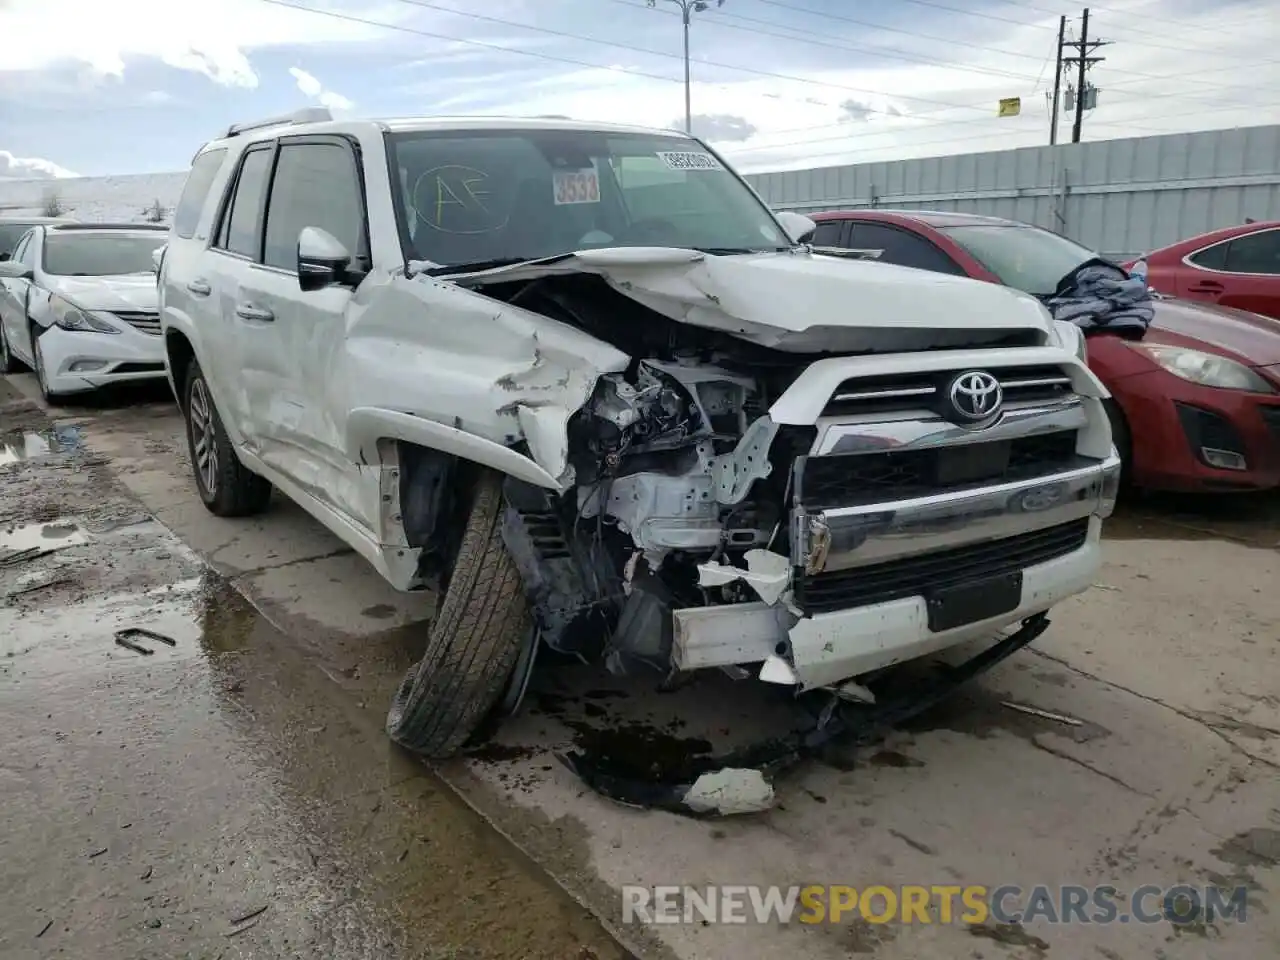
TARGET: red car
(1195,403)
(1234,267)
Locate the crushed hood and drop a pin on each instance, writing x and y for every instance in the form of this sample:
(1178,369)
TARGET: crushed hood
(128,293)
(800,301)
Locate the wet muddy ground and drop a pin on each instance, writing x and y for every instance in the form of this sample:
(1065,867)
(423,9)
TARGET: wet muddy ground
(219,785)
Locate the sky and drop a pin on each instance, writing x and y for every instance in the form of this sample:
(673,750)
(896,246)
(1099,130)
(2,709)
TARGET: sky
(136,86)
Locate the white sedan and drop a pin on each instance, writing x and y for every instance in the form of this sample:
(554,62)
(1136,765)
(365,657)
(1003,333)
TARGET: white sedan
(78,306)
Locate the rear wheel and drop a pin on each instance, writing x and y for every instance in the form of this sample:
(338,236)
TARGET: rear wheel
(476,641)
(225,485)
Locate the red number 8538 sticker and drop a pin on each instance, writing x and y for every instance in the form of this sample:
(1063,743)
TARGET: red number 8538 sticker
(576,186)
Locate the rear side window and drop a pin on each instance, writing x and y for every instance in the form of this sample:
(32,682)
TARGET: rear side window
(187,215)
(902,248)
(1211,258)
(316,185)
(239,231)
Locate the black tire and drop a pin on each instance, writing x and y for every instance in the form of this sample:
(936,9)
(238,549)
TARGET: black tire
(475,641)
(8,362)
(226,487)
(42,377)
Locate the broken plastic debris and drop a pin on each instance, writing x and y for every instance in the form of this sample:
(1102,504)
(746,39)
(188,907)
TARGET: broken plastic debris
(730,791)
(767,573)
(777,670)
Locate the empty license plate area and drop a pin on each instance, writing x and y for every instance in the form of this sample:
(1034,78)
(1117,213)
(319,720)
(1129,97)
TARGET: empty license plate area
(966,603)
(972,463)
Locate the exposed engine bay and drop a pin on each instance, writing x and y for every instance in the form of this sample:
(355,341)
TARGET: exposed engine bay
(676,465)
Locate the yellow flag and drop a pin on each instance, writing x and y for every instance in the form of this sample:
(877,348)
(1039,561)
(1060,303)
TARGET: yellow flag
(1010,107)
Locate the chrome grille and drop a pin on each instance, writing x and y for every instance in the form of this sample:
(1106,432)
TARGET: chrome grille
(145,321)
(912,576)
(855,479)
(896,393)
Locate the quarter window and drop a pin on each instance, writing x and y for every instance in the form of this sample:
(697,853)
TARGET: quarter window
(239,231)
(316,185)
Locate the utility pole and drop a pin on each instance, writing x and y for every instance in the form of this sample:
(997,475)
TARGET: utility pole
(1084,46)
(687,9)
(1057,79)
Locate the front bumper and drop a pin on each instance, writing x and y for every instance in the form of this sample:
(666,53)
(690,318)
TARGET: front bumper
(1187,437)
(78,361)
(866,612)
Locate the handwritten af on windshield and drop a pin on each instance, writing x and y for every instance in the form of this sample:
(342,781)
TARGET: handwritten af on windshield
(456,199)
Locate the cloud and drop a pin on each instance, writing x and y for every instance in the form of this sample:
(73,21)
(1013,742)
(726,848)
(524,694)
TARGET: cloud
(31,168)
(719,127)
(856,110)
(207,37)
(313,88)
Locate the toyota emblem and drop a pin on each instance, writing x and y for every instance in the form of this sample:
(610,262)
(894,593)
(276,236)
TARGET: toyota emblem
(975,396)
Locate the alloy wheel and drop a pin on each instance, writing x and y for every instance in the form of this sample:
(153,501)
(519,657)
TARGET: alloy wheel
(204,441)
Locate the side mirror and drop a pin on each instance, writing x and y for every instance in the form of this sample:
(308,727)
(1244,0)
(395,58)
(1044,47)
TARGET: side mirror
(322,259)
(797,225)
(13,270)
(4,255)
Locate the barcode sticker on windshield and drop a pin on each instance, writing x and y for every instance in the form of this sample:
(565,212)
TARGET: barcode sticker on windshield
(690,161)
(576,186)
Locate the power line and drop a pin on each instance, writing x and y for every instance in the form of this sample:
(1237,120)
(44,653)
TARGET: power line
(986,16)
(993,135)
(609,43)
(822,40)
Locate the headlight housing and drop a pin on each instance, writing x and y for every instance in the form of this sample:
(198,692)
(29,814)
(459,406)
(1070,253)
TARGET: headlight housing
(1206,369)
(68,316)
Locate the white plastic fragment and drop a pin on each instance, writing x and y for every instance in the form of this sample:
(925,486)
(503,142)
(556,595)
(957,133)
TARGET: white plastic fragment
(729,791)
(767,573)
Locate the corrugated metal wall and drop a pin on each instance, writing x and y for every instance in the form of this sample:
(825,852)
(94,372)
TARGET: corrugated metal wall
(1120,197)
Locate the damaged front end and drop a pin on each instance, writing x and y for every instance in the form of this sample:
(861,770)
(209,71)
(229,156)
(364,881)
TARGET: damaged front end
(734,500)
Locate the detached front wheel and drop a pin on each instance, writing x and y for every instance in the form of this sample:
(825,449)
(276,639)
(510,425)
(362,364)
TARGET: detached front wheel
(476,639)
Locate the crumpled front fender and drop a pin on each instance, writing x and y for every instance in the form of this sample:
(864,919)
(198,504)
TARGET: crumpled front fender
(435,364)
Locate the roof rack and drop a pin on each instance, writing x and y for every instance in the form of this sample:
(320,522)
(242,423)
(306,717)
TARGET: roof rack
(305,115)
(72,225)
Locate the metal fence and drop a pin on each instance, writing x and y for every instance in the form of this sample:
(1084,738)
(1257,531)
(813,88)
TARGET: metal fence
(1119,197)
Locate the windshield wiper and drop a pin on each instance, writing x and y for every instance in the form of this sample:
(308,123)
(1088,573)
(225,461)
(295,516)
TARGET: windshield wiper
(478,266)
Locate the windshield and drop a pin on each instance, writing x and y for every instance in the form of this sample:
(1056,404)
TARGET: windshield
(1025,258)
(10,234)
(492,196)
(100,254)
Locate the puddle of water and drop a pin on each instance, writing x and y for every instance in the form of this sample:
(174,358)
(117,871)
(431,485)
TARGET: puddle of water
(18,446)
(40,538)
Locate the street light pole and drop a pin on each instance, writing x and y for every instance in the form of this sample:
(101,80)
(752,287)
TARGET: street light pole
(687,9)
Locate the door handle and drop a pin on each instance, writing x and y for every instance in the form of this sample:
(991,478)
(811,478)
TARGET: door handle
(1206,286)
(200,288)
(247,311)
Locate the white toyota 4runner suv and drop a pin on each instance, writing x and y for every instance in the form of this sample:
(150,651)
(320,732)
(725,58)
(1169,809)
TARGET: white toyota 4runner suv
(579,378)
